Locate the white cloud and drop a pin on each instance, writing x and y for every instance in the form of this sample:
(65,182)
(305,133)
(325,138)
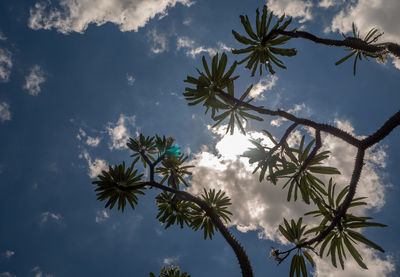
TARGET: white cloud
(5,65)
(8,254)
(76,15)
(130,79)
(39,273)
(6,274)
(170,260)
(101,216)
(5,113)
(265,83)
(326,3)
(94,142)
(184,42)
(119,132)
(192,49)
(81,134)
(46,216)
(91,141)
(187,21)
(396,62)
(2,36)
(262,206)
(376,266)
(33,81)
(96,166)
(295,8)
(158,41)
(368,14)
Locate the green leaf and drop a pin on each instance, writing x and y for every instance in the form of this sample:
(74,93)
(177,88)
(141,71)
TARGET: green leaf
(293,265)
(247,26)
(309,258)
(222,65)
(206,67)
(359,237)
(286,234)
(214,66)
(345,58)
(243,39)
(354,253)
(323,170)
(325,243)
(303,266)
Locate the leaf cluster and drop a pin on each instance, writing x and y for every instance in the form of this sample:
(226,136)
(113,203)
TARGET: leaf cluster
(118,184)
(174,171)
(173,210)
(294,233)
(219,202)
(263,49)
(292,164)
(359,54)
(346,233)
(206,84)
(172,271)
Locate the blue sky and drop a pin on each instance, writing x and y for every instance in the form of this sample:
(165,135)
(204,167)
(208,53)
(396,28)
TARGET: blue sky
(78,78)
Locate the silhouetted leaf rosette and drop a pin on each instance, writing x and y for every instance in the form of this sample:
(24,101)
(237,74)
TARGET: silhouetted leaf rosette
(142,146)
(219,202)
(166,146)
(118,185)
(206,84)
(263,49)
(172,271)
(294,233)
(235,113)
(174,171)
(172,210)
(369,38)
(292,164)
(345,234)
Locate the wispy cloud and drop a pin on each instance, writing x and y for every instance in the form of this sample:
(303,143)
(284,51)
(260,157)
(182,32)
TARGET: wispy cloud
(5,65)
(192,49)
(170,260)
(6,274)
(77,15)
(2,36)
(327,3)
(187,21)
(39,273)
(265,84)
(90,141)
(102,216)
(96,166)
(7,255)
(5,113)
(47,216)
(130,79)
(120,132)
(295,110)
(158,41)
(34,79)
(94,142)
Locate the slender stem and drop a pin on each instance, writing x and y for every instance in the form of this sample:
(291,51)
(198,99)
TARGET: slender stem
(300,121)
(353,43)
